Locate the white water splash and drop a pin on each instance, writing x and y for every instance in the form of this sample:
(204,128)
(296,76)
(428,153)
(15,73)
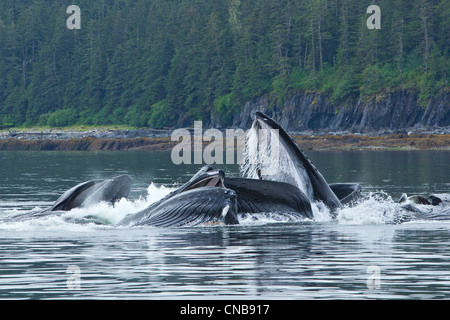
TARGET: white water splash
(112,214)
(375,208)
(104,214)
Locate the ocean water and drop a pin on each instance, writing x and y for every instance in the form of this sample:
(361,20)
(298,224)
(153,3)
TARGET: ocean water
(358,255)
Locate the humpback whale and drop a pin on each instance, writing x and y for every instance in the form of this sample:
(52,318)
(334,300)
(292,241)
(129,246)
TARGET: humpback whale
(202,200)
(300,164)
(210,198)
(418,207)
(82,195)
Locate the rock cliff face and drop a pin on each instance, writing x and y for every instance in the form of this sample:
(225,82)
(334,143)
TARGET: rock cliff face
(386,111)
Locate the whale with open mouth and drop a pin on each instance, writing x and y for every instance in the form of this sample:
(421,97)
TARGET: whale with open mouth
(282,179)
(291,164)
(203,200)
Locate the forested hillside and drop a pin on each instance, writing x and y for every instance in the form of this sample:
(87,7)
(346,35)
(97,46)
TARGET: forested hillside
(165,63)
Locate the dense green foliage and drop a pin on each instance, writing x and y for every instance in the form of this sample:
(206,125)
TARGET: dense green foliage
(169,62)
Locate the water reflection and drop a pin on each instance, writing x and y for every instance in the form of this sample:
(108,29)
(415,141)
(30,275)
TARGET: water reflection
(277,261)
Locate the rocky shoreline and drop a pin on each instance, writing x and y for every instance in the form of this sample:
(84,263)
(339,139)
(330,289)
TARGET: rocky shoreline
(160,140)
(60,134)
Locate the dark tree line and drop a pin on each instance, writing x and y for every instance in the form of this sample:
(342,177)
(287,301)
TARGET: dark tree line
(166,63)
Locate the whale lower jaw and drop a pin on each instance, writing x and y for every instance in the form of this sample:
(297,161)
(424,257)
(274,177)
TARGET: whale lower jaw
(200,206)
